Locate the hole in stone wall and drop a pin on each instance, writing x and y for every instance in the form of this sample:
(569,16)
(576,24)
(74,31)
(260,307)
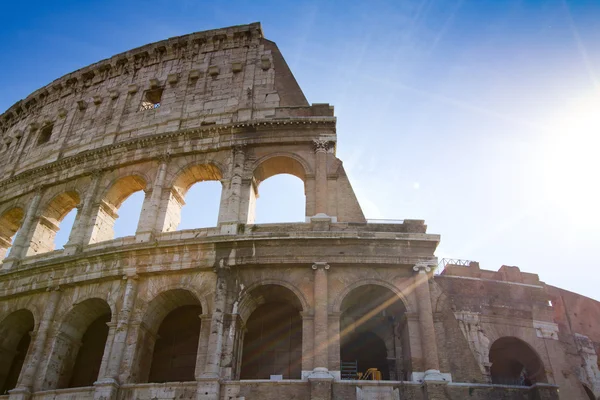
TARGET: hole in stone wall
(45,134)
(281,199)
(151,99)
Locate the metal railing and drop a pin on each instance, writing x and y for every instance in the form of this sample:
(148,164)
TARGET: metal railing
(454,261)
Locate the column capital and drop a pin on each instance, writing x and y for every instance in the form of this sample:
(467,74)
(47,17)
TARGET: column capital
(323,145)
(423,267)
(320,264)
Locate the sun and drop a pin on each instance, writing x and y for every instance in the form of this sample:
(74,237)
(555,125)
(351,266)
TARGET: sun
(571,160)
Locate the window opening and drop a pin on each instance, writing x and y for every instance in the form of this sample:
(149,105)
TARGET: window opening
(151,99)
(281,199)
(129,215)
(202,205)
(514,362)
(45,134)
(64,229)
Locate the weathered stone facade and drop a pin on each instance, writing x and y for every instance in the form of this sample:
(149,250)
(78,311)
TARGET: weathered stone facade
(241,310)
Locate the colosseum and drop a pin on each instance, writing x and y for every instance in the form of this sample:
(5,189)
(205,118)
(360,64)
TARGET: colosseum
(334,307)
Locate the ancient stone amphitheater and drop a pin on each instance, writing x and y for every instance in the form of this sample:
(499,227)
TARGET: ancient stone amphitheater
(332,308)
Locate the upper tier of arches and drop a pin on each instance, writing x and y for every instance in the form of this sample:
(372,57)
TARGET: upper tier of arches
(29,223)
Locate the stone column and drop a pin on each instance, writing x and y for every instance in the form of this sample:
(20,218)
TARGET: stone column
(426,326)
(20,243)
(321,148)
(308,333)
(205,322)
(209,387)
(334,342)
(320,378)
(149,224)
(82,231)
(120,338)
(36,350)
(229,212)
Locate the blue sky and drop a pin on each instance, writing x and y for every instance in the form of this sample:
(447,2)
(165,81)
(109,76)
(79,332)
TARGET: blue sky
(477,116)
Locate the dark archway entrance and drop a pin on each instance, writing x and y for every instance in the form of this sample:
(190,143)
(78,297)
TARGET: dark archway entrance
(176,347)
(14,342)
(89,357)
(374,334)
(514,362)
(272,344)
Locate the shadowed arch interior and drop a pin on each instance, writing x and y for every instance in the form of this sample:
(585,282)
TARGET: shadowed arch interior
(78,348)
(169,340)
(15,338)
(374,334)
(10,222)
(514,362)
(272,344)
(589,393)
(49,221)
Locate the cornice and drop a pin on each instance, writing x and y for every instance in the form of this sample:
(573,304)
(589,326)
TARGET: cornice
(234,129)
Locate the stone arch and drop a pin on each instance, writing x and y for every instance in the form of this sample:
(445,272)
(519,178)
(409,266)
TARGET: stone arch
(515,362)
(272,342)
(110,201)
(42,239)
(337,302)
(179,185)
(373,315)
(10,222)
(15,339)
(247,303)
(277,164)
(78,348)
(172,316)
(280,163)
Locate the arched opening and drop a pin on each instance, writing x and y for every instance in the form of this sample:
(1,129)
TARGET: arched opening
(126,197)
(280,198)
(78,348)
(283,197)
(374,334)
(272,344)
(589,393)
(514,362)
(10,222)
(203,199)
(14,342)
(202,205)
(169,338)
(52,220)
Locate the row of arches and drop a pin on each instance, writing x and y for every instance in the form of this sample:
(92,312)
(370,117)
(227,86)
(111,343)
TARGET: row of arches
(194,198)
(268,341)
